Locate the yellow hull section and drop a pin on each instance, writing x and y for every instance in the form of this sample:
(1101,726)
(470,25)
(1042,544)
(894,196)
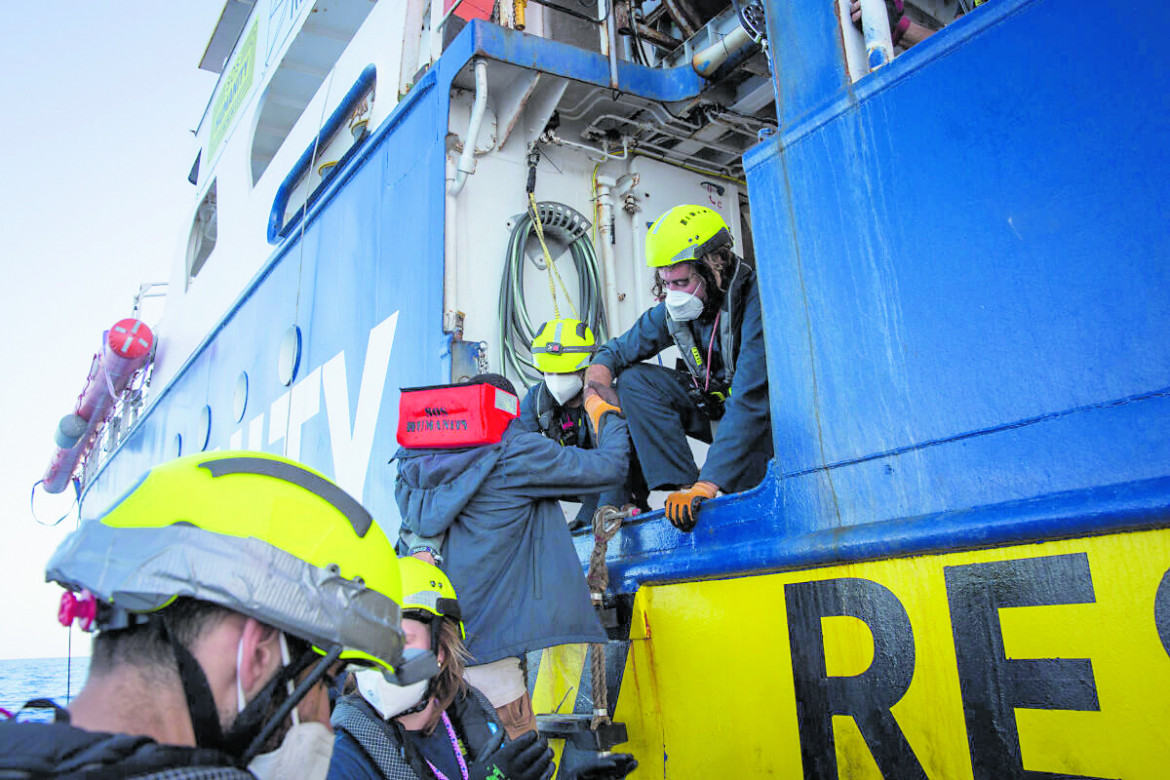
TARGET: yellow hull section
(1048,658)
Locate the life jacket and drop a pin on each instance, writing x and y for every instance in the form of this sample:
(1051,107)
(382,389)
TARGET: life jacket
(560,423)
(730,321)
(59,750)
(386,746)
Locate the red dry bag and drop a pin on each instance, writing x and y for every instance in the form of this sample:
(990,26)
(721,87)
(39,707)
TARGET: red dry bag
(459,415)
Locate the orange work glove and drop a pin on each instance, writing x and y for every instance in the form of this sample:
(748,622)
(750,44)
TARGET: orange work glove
(597,407)
(683,505)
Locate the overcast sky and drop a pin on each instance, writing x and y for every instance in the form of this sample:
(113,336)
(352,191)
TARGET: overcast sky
(98,101)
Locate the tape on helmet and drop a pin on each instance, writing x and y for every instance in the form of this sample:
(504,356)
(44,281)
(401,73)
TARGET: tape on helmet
(252,532)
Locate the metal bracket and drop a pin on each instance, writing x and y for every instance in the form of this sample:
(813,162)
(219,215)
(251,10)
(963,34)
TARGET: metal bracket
(511,101)
(541,104)
(577,731)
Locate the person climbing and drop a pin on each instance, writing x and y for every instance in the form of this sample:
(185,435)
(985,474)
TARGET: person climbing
(709,307)
(555,408)
(488,515)
(200,582)
(441,728)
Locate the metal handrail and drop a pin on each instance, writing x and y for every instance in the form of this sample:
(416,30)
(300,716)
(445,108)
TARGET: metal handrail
(278,226)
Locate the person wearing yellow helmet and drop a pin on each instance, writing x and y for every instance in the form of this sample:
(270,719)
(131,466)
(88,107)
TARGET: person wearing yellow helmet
(489,514)
(709,307)
(223,588)
(554,407)
(443,728)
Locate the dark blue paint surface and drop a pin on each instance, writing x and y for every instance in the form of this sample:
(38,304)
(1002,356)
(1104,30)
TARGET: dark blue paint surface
(963,263)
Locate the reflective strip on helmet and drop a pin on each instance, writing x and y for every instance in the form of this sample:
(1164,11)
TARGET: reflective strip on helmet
(357,515)
(431,601)
(695,252)
(685,256)
(424,599)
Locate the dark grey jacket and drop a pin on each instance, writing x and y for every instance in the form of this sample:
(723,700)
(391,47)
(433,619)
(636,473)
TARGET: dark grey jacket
(37,750)
(743,444)
(493,512)
(540,413)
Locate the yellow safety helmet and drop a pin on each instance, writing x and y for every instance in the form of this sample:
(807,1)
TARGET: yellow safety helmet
(252,532)
(425,588)
(563,346)
(685,233)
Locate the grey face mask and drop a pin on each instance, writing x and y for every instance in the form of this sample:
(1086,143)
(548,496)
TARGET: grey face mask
(683,306)
(388,699)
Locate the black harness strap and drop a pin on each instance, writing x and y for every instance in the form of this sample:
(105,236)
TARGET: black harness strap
(684,339)
(200,702)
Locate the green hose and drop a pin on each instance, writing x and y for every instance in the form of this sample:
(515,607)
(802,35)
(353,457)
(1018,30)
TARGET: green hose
(516,328)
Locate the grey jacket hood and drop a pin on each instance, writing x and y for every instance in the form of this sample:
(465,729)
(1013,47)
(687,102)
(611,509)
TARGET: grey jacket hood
(433,486)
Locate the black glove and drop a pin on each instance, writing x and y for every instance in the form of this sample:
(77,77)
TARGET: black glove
(615,766)
(528,757)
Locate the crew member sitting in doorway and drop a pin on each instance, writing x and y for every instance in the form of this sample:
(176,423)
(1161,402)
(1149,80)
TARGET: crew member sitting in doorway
(709,307)
(554,407)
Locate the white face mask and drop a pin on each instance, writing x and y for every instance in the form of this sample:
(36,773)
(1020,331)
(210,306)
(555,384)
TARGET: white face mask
(683,306)
(562,387)
(240,702)
(388,699)
(304,753)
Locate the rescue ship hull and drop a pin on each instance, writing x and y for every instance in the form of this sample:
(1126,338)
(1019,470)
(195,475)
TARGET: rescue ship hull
(958,564)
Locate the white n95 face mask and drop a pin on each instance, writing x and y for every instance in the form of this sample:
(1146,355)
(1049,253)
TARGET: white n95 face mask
(683,306)
(562,387)
(388,699)
(304,753)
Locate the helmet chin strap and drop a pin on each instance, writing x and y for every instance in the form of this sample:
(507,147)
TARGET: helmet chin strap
(249,730)
(263,730)
(200,703)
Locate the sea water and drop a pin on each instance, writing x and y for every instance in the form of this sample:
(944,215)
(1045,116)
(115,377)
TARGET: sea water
(23,679)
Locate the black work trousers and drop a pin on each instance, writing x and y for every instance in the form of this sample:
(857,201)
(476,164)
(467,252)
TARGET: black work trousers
(661,416)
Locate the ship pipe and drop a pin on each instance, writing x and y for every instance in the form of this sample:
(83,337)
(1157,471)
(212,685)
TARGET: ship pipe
(467,158)
(608,191)
(875,26)
(447,16)
(611,37)
(126,348)
(733,46)
(449,249)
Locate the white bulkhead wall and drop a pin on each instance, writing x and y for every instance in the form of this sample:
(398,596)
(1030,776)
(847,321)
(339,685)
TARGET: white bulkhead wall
(496,193)
(242,247)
